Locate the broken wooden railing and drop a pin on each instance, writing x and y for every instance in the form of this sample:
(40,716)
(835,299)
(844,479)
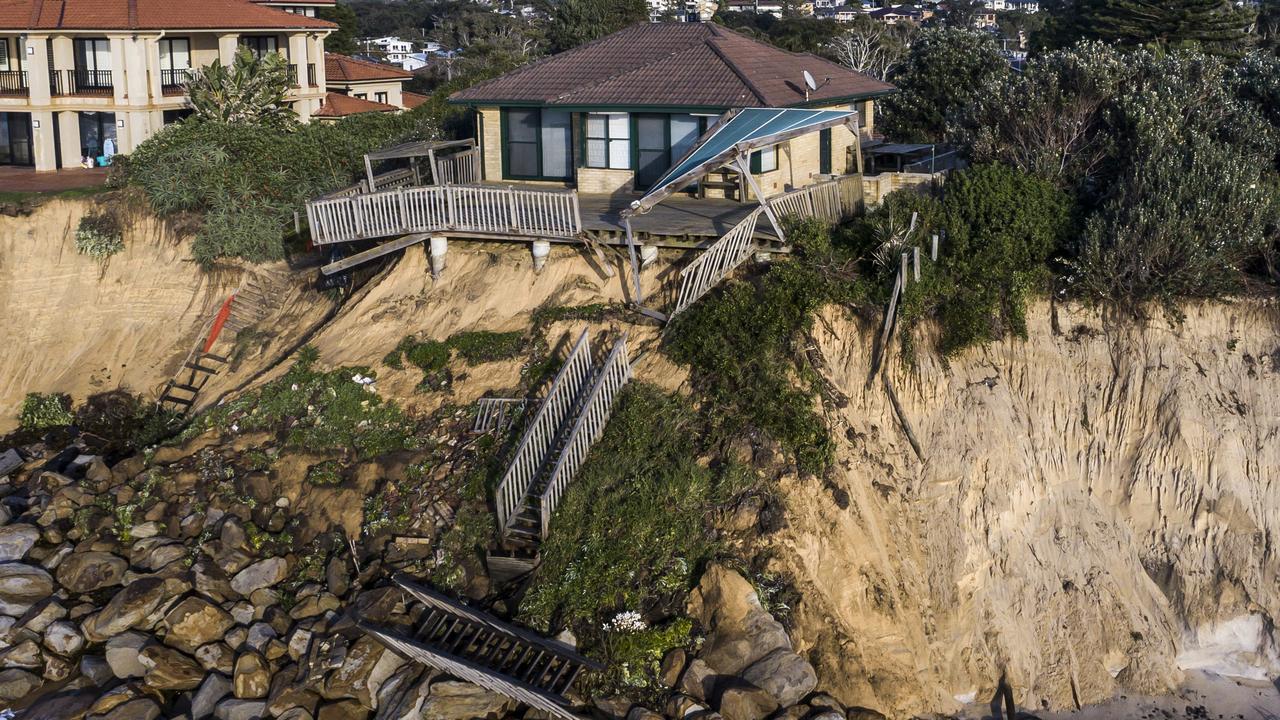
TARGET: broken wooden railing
(485,651)
(542,432)
(497,211)
(831,201)
(462,168)
(592,418)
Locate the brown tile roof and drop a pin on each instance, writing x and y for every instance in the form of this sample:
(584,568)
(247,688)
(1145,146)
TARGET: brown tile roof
(412,100)
(674,65)
(344,68)
(339,105)
(149,15)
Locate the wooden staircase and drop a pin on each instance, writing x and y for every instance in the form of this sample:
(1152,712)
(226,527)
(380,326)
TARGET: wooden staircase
(481,649)
(246,307)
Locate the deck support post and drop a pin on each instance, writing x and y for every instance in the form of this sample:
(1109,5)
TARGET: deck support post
(648,254)
(541,249)
(439,246)
(744,167)
(635,262)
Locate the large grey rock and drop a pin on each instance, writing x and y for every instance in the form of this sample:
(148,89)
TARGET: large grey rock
(168,669)
(16,683)
(261,574)
(70,704)
(285,696)
(138,709)
(784,675)
(252,677)
(740,630)
(233,709)
(16,540)
(85,572)
(352,678)
(457,700)
(699,680)
(95,669)
(214,688)
(216,657)
(62,638)
(128,608)
(41,616)
(25,654)
(22,586)
(195,622)
(124,653)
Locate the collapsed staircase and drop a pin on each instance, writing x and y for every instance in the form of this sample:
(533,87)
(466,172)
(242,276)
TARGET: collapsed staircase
(246,307)
(481,649)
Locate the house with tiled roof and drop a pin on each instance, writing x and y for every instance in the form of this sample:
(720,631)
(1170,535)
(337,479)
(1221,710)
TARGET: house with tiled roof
(613,115)
(82,80)
(361,86)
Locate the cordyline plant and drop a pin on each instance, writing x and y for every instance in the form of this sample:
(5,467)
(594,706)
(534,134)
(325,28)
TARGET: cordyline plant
(251,91)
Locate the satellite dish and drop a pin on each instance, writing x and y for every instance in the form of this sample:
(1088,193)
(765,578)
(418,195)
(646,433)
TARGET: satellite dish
(809,81)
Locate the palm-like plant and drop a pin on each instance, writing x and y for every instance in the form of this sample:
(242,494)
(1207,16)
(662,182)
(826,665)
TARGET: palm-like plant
(250,91)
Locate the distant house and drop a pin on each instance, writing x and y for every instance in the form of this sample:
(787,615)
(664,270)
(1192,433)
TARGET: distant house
(1026,6)
(846,13)
(772,7)
(306,8)
(614,114)
(898,14)
(358,86)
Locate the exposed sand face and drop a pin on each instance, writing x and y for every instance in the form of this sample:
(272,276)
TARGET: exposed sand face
(1098,511)
(71,324)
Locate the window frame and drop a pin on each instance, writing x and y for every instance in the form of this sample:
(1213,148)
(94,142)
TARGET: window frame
(253,41)
(757,160)
(382,97)
(169,41)
(537,145)
(608,140)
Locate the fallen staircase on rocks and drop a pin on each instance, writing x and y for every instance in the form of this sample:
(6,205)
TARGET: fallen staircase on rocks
(481,649)
(246,307)
(556,442)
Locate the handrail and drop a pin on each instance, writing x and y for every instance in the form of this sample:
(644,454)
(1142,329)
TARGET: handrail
(437,208)
(531,453)
(726,254)
(595,413)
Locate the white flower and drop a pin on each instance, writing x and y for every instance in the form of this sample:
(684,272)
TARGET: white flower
(294,386)
(626,621)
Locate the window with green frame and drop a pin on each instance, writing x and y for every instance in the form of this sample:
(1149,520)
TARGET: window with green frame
(764,160)
(536,144)
(608,141)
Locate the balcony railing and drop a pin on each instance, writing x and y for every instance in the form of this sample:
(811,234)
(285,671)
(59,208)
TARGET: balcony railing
(81,82)
(174,82)
(13,82)
(293,75)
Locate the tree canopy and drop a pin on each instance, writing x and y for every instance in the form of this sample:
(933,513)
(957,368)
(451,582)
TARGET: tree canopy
(1212,25)
(947,70)
(251,91)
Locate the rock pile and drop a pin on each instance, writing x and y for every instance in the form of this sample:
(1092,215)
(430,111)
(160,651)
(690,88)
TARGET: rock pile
(116,609)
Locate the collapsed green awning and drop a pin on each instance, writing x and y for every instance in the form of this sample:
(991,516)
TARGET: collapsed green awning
(738,133)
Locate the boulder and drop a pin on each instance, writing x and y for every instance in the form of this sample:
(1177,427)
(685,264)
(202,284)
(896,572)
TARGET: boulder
(285,696)
(672,666)
(25,654)
(457,700)
(640,712)
(22,586)
(168,669)
(95,669)
(16,683)
(138,709)
(114,697)
(401,696)
(130,607)
(195,622)
(214,688)
(72,704)
(58,668)
(41,616)
(233,709)
(861,713)
(346,710)
(743,701)
(123,654)
(85,572)
(295,714)
(62,638)
(352,678)
(261,574)
(252,677)
(258,636)
(699,680)
(216,657)
(784,675)
(740,630)
(16,540)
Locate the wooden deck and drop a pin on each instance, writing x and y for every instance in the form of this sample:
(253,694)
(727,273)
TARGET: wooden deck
(679,221)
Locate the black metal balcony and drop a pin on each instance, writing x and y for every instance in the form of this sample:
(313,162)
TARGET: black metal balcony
(14,82)
(174,82)
(81,82)
(293,75)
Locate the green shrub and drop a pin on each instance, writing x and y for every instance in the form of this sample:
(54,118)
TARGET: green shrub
(319,411)
(482,347)
(244,181)
(738,342)
(45,410)
(99,235)
(325,474)
(429,356)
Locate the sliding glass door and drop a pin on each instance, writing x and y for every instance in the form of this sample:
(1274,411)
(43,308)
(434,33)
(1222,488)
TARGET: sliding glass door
(15,139)
(536,144)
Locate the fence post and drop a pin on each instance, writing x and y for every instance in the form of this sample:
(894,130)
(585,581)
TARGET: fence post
(903,270)
(933,251)
(915,261)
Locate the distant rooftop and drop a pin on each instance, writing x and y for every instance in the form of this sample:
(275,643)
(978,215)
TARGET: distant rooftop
(150,15)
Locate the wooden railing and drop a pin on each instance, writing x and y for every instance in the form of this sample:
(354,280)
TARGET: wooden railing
(403,177)
(539,438)
(461,168)
(832,201)
(594,415)
(461,208)
(717,262)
